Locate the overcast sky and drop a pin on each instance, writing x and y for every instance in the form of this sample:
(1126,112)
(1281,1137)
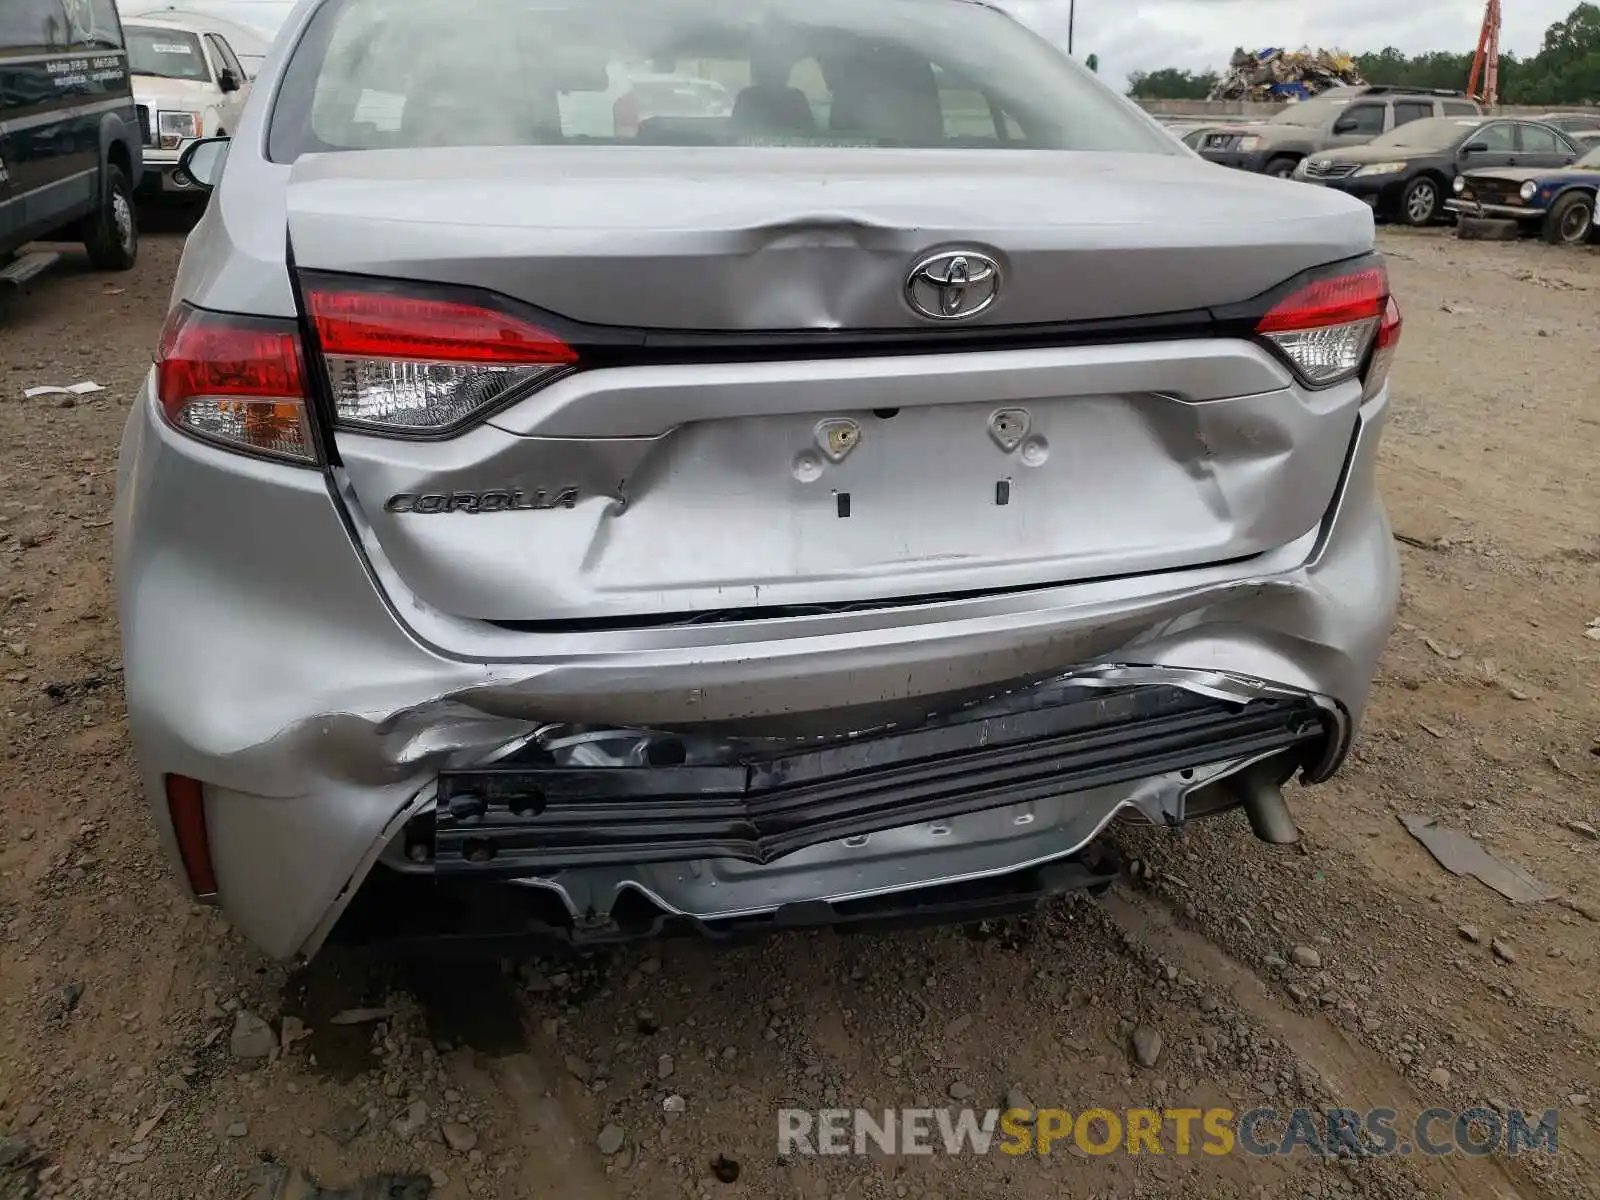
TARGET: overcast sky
(1144,35)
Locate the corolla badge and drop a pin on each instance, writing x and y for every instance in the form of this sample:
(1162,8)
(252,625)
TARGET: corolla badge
(953,285)
(492,501)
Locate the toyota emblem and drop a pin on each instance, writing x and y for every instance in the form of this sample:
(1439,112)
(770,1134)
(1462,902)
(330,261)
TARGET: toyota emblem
(953,285)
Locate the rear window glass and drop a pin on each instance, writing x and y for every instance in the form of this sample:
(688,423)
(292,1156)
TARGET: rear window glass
(377,74)
(167,53)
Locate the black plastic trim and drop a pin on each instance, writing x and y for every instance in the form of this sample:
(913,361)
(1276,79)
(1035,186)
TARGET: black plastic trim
(526,816)
(601,346)
(319,389)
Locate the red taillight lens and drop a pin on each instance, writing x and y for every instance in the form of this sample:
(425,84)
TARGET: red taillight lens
(236,381)
(421,364)
(381,325)
(186,805)
(1326,327)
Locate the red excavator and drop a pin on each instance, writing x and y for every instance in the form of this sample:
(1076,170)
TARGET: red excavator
(1486,62)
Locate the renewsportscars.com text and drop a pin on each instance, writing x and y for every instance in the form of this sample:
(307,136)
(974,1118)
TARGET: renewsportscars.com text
(1380,1132)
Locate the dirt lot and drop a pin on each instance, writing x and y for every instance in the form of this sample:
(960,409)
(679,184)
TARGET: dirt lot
(1348,971)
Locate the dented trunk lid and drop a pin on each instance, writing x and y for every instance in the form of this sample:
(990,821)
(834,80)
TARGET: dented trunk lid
(746,466)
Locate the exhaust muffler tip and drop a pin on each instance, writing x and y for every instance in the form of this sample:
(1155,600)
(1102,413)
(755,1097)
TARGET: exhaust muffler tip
(1261,793)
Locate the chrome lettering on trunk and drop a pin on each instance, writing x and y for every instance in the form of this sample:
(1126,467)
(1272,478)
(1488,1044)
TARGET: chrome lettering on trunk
(494,500)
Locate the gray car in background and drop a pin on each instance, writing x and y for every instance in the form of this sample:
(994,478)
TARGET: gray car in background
(840,508)
(1338,118)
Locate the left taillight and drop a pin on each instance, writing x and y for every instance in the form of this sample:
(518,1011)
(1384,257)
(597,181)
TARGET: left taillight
(236,381)
(1327,327)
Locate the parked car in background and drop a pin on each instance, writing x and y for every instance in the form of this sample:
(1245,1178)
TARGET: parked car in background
(189,84)
(1183,127)
(263,18)
(1557,202)
(1407,174)
(69,135)
(526,528)
(1581,127)
(1336,119)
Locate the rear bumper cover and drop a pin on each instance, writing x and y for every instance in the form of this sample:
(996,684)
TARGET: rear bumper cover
(528,815)
(268,656)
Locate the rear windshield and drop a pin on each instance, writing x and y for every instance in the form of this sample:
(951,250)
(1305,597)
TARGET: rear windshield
(167,53)
(376,74)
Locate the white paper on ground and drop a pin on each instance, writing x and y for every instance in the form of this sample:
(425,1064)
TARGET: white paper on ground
(76,389)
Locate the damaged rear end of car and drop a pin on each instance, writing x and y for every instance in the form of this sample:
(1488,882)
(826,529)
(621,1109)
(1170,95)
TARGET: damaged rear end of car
(837,511)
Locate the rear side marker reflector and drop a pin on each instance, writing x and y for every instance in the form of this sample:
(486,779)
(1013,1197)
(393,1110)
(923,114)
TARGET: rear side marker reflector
(236,381)
(1326,327)
(1383,349)
(186,805)
(409,363)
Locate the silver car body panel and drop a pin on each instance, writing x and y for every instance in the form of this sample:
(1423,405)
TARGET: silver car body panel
(316,661)
(684,473)
(320,728)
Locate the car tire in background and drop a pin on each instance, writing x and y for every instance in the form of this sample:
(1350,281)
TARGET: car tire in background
(1421,202)
(1570,221)
(1280,168)
(111,235)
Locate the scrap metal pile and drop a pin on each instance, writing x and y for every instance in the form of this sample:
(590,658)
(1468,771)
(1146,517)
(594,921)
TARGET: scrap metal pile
(1277,74)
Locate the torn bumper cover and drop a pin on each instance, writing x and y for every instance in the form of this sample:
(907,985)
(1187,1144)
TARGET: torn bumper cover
(671,798)
(606,834)
(271,654)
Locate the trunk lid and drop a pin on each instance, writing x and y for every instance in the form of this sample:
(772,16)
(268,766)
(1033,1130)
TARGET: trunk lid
(771,477)
(792,239)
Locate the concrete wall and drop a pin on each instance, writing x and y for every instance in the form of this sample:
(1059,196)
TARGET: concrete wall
(1236,109)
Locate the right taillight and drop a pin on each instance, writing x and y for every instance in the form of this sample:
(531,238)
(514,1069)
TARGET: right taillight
(1383,348)
(413,363)
(1327,327)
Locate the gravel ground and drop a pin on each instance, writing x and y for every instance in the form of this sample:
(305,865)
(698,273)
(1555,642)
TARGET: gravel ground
(145,1051)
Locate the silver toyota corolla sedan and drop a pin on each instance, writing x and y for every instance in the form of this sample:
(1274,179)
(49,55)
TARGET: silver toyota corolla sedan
(547,514)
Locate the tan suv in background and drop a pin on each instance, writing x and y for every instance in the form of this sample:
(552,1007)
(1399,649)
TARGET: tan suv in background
(1339,117)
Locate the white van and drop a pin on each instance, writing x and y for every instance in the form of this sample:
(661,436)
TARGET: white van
(188,82)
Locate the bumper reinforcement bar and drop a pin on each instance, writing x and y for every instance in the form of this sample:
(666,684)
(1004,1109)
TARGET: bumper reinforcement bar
(527,815)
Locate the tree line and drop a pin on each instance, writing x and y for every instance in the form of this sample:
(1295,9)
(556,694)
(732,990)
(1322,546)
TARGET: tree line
(1566,70)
